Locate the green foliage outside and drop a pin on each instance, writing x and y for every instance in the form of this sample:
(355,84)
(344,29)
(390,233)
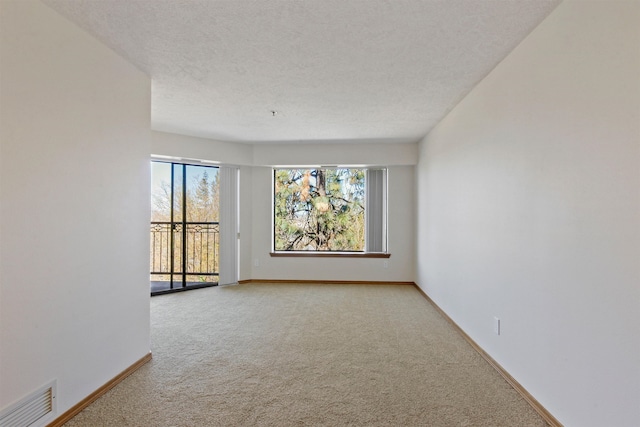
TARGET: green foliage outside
(319,209)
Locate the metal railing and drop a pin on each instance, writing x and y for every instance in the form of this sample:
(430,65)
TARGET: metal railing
(199,242)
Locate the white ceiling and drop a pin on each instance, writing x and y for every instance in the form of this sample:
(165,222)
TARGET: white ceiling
(333,70)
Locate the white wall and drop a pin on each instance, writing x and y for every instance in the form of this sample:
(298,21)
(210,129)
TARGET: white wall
(256,203)
(529,210)
(190,147)
(399,157)
(74,147)
(400,243)
(327,154)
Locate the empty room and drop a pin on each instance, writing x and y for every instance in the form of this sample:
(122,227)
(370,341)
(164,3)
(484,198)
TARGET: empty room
(319,212)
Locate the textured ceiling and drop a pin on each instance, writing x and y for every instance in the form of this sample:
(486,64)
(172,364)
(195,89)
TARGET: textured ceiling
(334,70)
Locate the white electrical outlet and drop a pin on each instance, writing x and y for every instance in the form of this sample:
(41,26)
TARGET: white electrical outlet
(256,262)
(385,264)
(496,325)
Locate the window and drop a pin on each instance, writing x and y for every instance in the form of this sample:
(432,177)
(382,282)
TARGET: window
(329,210)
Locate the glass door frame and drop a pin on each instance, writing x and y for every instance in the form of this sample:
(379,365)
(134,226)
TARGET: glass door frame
(181,227)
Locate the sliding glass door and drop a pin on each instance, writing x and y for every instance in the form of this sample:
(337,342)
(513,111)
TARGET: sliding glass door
(185,229)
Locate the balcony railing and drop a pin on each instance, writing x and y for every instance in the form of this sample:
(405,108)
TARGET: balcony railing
(194,250)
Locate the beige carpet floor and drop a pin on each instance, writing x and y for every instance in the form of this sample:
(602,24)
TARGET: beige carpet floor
(307,355)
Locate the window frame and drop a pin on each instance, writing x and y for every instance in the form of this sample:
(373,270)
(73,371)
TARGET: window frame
(382,216)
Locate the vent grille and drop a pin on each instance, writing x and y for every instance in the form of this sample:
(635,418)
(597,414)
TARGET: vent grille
(31,409)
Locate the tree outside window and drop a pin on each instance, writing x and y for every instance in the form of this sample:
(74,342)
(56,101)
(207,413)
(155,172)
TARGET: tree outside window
(319,209)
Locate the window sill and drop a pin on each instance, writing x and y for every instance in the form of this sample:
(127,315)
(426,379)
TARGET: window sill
(293,254)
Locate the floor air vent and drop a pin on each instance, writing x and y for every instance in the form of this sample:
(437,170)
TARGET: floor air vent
(32,410)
